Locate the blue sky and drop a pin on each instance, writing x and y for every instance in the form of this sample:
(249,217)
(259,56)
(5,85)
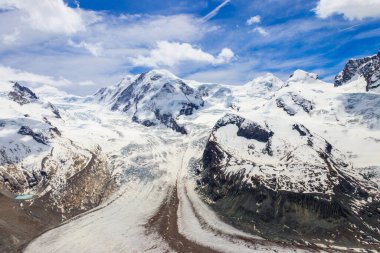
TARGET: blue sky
(80,46)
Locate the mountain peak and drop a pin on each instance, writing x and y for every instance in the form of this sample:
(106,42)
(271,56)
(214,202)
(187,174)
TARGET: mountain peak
(302,76)
(161,72)
(154,97)
(268,80)
(22,95)
(368,67)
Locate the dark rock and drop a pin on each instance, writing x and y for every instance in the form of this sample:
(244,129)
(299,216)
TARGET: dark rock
(168,121)
(305,104)
(55,110)
(156,77)
(281,104)
(38,137)
(368,67)
(302,130)
(254,131)
(254,205)
(56,131)
(22,95)
(249,130)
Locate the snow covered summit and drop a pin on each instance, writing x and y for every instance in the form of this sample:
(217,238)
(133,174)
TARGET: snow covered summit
(155,97)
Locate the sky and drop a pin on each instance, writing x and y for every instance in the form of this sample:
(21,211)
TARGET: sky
(79,46)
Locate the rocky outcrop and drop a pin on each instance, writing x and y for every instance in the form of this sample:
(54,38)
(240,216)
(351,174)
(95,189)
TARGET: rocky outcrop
(54,110)
(282,104)
(23,220)
(368,67)
(38,137)
(292,103)
(22,95)
(281,185)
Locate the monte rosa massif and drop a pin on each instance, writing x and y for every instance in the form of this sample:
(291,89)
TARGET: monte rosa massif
(161,164)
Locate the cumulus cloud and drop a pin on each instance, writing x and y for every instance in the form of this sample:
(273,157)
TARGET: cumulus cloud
(225,55)
(10,74)
(261,30)
(94,48)
(350,9)
(11,38)
(87,83)
(115,39)
(170,54)
(147,29)
(52,16)
(254,20)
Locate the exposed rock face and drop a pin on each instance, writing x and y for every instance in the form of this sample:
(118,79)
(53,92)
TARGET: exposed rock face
(54,110)
(156,97)
(281,184)
(38,137)
(292,103)
(282,104)
(22,95)
(368,67)
(62,178)
(19,224)
(110,94)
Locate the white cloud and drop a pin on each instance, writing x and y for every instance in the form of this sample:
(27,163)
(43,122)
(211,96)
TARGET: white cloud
(350,9)
(52,16)
(10,74)
(215,11)
(148,29)
(94,48)
(115,39)
(261,30)
(87,83)
(11,38)
(225,56)
(254,20)
(170,54)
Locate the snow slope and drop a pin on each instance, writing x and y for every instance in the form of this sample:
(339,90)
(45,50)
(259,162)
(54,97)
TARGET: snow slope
(36,158)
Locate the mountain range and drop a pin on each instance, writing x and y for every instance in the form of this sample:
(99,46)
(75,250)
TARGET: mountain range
(159,164)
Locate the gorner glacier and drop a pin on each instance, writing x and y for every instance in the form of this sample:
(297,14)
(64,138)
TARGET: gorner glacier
(161,164)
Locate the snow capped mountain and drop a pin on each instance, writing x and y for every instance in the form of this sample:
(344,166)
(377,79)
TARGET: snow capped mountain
(109,94)
(300,76)
(153,98)
(268,173)
(35,156)
(292,161)
(264,85)
(272,151)
(21,94)
(368,68)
